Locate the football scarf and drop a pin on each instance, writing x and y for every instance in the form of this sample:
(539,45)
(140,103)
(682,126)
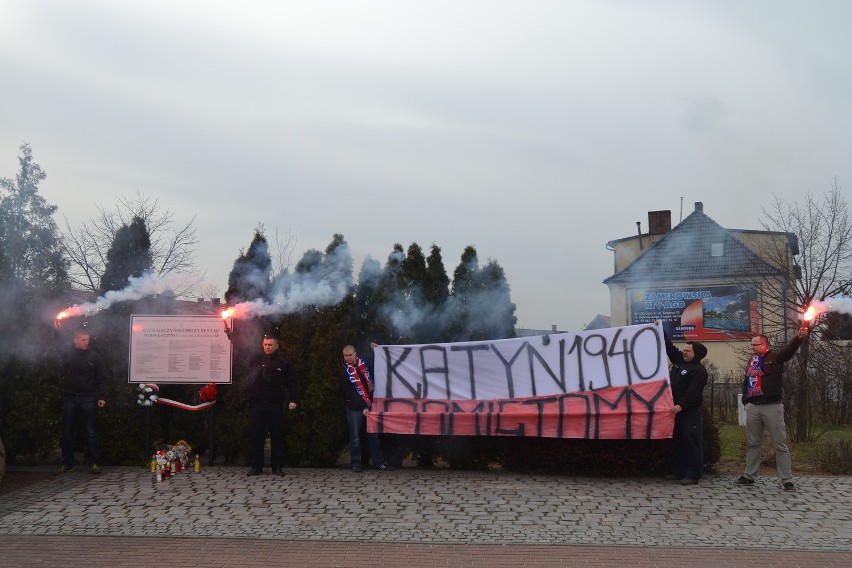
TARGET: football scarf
(754,377)
(360,378)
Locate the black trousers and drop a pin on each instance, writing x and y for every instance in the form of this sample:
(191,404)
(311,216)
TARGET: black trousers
(263,415)
(689,444)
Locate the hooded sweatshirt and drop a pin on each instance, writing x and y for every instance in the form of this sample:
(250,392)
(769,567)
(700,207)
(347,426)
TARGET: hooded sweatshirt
(687,379)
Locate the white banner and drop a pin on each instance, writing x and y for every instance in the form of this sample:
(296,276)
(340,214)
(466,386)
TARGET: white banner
(523,367)
(602,384)
(179,350)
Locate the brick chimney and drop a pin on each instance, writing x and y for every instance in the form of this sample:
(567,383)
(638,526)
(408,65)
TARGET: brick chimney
(699,206)
(659,222)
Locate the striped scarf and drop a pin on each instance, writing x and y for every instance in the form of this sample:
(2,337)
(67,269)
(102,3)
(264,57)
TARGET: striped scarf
(360,378)
(754,376)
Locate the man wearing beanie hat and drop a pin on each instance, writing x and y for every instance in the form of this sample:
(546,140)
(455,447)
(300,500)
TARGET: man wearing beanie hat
(688,377)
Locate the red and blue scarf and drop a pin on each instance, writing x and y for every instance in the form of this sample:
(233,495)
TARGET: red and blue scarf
(360,378)
(754,376)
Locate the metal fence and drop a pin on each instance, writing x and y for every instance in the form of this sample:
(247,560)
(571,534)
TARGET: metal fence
(721,397)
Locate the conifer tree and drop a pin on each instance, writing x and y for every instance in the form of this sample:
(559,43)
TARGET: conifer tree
(33,278)
(463,288)
(249,277)
(129,255)
(386,304)
(33,271)
(364,311)
(481,300)
(437,284)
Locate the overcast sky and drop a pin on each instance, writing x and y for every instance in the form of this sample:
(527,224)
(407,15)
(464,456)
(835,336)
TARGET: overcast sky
(536,131)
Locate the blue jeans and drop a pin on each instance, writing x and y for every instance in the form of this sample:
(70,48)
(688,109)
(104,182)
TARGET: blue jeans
(357,426)
(86,406)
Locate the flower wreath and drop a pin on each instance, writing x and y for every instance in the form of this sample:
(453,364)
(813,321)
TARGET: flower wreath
(149,394)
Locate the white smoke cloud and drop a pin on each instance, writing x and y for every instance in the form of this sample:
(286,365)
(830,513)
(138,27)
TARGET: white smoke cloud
(148,284)
(324,284)
(838,304)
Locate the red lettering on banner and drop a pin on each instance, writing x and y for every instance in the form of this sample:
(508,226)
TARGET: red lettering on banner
(640,411)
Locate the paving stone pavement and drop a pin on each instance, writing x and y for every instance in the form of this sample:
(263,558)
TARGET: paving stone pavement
(437,507)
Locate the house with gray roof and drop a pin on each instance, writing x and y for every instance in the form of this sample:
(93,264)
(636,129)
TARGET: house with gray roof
(705,282)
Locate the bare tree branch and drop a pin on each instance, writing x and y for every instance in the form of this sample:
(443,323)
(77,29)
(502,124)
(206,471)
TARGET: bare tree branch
(283,246)
(173,244)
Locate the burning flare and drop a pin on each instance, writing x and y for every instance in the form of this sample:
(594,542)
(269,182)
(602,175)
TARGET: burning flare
(810,314)
(70,312)
(228,313)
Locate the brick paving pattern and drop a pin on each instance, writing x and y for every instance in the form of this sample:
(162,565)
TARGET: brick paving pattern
(413,518)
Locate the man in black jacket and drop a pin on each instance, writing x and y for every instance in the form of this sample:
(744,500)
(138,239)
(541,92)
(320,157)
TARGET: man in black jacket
(762,394)
(83,390)
(688,378)
(272,383)
(356,382)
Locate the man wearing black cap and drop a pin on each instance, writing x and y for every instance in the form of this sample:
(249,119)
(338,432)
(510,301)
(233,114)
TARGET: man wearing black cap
(688,377)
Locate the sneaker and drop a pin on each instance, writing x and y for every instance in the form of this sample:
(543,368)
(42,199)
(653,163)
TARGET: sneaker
(279,471)
(385,467)
(357,468)
(254,471)
(65,469)
(688,481)
(743,480)
(94,468)
(789,486)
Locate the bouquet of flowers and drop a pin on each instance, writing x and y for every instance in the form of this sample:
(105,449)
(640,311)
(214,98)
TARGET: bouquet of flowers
(164,456)
(148,394)
(181,451)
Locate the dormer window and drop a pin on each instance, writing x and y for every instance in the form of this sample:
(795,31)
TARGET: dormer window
(717,249)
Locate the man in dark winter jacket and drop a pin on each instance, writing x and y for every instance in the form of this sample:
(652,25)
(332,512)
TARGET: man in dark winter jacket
(83,389)
(356,382)
(762,394)
(688,377)
(271,383)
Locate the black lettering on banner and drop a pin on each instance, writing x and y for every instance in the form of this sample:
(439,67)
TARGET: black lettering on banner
(562,410)
(655,372)
(534,354)
(501,404)
(478,409)
(626,351)
(446,429)
(602,353)
(649,404)
(508,365)
(445,369)
(470,349)
(576,346)
(489,417)
(390,402)
(392,372)
(586,362)
(539,403)
(623,394)
(456,409)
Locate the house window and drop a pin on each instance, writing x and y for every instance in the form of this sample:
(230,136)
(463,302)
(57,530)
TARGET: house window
(717,249)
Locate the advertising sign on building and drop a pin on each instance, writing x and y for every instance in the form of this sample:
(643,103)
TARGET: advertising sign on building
(710,313)
(179,350)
